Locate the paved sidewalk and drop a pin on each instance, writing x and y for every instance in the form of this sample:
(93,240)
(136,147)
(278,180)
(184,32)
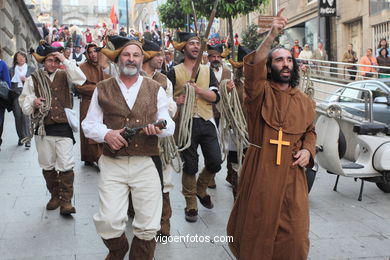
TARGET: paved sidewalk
(341,226)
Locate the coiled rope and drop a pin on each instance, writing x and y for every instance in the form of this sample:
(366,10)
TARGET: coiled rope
(232,121)
(186,113)
(39,114)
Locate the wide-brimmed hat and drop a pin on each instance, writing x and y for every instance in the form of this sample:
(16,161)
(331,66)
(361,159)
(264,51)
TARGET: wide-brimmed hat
(184,37)
(241,53)
(151,50)
(218,50)
(115,45)
(48,50)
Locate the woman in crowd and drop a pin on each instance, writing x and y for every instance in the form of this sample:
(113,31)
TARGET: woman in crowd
(368,60)
(19,72)
(382,44)
(384,60)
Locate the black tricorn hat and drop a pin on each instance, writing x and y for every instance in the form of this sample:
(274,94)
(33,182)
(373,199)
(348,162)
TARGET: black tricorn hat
(218,49)
(214,48)
(151,49)
(48,49)
(115,44)
(184,37)
(241,53)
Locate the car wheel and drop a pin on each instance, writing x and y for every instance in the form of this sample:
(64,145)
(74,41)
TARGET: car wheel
(385,187)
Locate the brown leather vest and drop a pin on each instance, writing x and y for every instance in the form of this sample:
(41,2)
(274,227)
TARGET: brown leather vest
(159,77)
(60,98)
(116,115)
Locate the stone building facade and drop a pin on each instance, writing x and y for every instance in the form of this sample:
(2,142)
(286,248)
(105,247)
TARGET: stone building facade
(17,29)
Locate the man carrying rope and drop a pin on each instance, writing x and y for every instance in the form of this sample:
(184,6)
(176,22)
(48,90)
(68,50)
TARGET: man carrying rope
(236,147)
(129,100)
(215,55)
(45,96)
(270,219)
(203,131)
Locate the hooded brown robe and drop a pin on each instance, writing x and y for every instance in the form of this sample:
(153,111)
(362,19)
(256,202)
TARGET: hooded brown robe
(90,150)
(270,218)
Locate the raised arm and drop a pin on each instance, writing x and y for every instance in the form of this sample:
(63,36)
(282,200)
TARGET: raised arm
(277,26)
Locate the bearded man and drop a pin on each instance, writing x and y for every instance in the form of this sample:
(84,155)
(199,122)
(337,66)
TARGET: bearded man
(128,100)
(270,219)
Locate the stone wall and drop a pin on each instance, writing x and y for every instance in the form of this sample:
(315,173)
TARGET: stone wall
(17,29)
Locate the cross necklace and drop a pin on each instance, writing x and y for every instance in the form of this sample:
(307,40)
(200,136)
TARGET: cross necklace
(279,142)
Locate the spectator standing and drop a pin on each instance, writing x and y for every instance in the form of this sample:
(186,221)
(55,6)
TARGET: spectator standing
(369,60)
(305,54)
(350,57)
(19,72)
(384,60)
(320,54)
(296,49)
(382,44)
(88,36)
(4,104)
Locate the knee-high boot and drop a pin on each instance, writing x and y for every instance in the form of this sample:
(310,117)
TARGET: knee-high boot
(52,184)
(117,247)
(66,192)
(166,215)
(142,249)
(201,186)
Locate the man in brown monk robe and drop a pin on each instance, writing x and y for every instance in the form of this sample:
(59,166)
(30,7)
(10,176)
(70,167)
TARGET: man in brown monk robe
(270,219)
(90,150)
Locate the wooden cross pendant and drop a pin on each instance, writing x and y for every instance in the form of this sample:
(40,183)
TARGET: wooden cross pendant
(279,142)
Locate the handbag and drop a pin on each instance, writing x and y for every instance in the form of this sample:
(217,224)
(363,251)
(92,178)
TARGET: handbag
(73,119)
(4,90)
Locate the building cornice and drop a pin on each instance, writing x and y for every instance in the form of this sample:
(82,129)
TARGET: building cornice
(302,17)
(29,20)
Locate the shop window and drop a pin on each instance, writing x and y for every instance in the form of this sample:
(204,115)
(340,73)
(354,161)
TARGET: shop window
(376,6)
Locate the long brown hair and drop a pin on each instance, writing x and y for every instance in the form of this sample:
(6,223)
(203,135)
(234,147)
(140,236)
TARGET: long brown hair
(16,56)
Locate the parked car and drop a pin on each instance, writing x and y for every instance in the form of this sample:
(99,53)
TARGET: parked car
(349,98)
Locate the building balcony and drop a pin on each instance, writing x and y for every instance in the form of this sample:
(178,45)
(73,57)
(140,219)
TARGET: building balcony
(81,9)
(101,9)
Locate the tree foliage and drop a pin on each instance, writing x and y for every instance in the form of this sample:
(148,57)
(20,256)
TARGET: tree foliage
(172,15)
(251,38)
(225,9)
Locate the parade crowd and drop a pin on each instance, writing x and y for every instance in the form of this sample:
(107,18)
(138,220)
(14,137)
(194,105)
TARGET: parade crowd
(137,102)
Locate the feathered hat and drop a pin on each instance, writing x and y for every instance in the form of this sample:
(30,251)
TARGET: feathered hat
(115,45)
(242,52)
(48,50)
(184,37)
(151,50)
(218,49)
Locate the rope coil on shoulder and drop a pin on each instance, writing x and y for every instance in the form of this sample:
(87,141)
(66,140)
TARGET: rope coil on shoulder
(39,114)
(232,121)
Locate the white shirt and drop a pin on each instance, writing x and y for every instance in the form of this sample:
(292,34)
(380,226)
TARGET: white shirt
(93,125)
(26,99)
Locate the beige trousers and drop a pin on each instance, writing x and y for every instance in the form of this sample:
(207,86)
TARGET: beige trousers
(119,176)
(55,153)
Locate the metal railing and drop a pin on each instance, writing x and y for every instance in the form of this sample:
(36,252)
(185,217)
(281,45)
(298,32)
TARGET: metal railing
(342,71)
